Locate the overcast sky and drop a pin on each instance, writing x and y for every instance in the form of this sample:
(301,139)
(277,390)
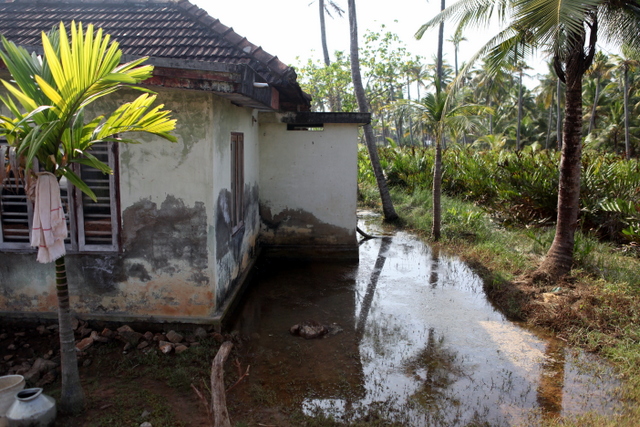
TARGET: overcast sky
(291,28)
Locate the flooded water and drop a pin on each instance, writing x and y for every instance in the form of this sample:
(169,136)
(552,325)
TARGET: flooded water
(420,345)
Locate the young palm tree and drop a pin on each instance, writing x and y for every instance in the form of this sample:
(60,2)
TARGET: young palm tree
(47,101)
(568,30)
(441,113)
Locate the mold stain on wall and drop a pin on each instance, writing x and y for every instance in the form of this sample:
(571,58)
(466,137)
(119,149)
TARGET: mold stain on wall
(162,236)
(234,250)
(292,225)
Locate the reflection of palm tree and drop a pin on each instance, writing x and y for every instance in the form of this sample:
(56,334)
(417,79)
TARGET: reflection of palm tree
(552,379)
(435,262)
(371,288)
(434,366)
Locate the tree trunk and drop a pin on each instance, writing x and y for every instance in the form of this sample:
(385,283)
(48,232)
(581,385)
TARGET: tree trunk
(627,140)
(592,121)
(518,133)
(410,115)
(387,205)
(546,144)
(323,34)
(455,58)
(437,190)
(334,97)
(71,395)
(559,259)
(559,114)
(440,44)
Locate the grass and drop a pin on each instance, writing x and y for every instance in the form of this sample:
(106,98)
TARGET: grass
(601,312)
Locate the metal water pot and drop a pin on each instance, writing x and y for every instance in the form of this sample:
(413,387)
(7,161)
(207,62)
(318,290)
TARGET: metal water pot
(10,385)
(32,409)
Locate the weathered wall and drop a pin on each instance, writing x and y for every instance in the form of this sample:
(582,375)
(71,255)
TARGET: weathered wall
(172,204)
(308,185)
(234,251)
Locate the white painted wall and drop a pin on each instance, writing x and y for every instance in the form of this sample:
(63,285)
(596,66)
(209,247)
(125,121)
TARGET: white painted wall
(311,175)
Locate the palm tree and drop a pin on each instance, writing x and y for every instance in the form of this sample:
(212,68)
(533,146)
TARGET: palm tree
(626,64)
(48,101)
(325,9)
(440,112)
(600,69)
(546,98)
(491,86)
(456,39)
(520,66)
(568,31)
(387,205)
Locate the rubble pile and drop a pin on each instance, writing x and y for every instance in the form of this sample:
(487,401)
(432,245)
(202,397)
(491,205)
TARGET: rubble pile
(40,363)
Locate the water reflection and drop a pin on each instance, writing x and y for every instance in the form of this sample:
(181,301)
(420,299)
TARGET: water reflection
(420,345)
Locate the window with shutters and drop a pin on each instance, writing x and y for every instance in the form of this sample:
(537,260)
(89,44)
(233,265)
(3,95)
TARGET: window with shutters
(237,181)
(92,225)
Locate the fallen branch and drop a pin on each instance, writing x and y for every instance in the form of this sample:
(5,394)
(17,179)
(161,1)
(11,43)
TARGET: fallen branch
(240,374)
(363,234)
(218,396)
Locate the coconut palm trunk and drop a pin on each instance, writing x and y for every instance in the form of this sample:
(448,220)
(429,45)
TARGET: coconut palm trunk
(387,205)
(323,34)
(440,43)
(596,97)
(559,258)
(518,132)
(549,121)
(71,394)
(627,140)
(559,114)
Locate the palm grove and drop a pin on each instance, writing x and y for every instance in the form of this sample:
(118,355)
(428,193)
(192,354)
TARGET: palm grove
(588,102)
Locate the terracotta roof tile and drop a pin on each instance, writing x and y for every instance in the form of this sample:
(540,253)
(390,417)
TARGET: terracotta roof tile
(161,29)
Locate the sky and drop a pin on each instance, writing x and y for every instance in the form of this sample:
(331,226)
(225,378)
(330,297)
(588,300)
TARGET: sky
(291,28)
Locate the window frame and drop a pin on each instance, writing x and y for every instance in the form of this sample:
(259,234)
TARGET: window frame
(237,181)
(74,205)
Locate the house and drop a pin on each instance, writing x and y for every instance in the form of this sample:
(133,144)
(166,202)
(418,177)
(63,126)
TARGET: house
(178,226)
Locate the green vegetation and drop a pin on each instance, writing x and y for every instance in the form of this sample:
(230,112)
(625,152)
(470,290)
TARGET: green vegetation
(497,213)
(519,188)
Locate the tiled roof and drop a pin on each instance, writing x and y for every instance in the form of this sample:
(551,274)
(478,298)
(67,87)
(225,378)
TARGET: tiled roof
(155,28)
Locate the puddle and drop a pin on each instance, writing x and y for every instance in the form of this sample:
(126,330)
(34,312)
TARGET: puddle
(421,345)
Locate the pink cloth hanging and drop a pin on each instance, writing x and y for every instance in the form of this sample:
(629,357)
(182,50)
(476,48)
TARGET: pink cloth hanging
(49,225)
